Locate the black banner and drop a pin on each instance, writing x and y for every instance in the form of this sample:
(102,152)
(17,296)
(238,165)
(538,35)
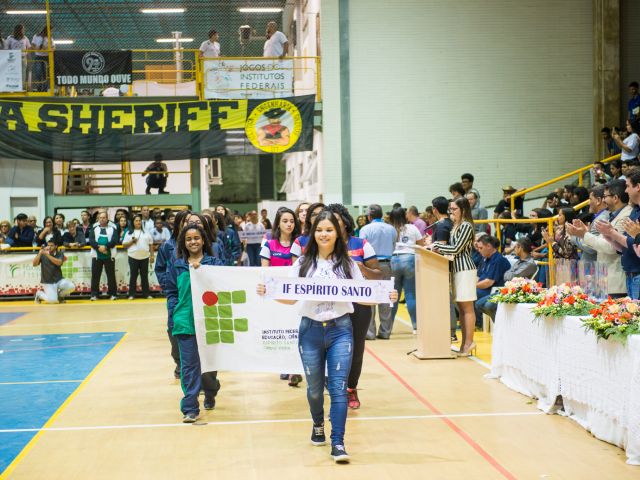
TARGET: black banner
(117,131)
(92,67)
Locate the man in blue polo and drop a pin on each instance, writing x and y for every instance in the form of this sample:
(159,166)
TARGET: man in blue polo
(623,242)
(382,238)
(491,272)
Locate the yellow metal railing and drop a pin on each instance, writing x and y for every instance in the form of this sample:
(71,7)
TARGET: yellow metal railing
(578,172)
(549,221)
(175,67)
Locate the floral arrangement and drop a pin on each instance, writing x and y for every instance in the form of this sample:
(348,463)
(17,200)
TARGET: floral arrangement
(616,319)
(565,299)
(519,290)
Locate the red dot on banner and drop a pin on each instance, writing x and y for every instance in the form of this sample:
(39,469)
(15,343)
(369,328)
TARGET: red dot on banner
(209,298)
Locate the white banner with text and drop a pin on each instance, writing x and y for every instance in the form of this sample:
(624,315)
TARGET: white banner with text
(325,289)
(236,329)
(250,78)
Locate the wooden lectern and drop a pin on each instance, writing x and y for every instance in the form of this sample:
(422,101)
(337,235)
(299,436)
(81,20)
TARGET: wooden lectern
(432,309)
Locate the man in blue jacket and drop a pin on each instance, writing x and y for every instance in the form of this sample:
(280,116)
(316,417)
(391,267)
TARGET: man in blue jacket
(21,235)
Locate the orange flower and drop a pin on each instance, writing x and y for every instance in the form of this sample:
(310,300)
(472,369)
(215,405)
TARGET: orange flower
(570,300)
(526,288)
(504,291)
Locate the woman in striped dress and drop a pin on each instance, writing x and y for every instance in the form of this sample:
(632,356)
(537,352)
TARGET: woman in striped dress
(464,270)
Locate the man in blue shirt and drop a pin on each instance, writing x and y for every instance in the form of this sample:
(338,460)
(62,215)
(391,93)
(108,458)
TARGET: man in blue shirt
(21,235)
(623,242)
(382,238)
(633,105)
(491,272)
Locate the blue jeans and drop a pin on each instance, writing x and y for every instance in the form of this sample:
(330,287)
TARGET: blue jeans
(483,305)
(403,269)
(327,343)
(633,287)
(253,252)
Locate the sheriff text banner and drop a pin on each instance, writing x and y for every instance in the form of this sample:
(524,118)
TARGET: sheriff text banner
(236,329)
(76,130)
(365,291)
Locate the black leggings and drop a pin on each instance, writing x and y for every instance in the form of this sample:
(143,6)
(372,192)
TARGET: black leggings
(360,319)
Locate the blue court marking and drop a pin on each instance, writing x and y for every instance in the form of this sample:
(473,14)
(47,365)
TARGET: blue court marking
(6,317)
(42,358)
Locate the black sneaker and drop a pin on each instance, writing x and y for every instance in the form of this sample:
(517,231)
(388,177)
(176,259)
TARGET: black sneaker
(294,380)
(317,436)
(339,454)
(209,402)
(284,376)
(190,417)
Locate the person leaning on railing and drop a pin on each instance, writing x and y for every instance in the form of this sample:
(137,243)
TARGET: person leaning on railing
(48,231)
(21,235)
(5,226)
(74,236)
(631,145)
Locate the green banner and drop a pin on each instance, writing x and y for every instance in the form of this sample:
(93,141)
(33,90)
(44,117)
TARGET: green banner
(79,131)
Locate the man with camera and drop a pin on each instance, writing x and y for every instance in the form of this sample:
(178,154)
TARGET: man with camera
(54,287)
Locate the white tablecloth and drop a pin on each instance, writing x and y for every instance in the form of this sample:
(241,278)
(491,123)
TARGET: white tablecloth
(599,381)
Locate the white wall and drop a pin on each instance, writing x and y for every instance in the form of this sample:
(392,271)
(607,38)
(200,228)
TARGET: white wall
(21,179)
(497,88)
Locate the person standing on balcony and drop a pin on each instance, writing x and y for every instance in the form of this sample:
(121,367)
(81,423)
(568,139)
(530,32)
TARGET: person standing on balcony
(40,42)
(631,145)
(505,203)
(477,212)
(158,174)
(210,48)
(19,41)
(277,44)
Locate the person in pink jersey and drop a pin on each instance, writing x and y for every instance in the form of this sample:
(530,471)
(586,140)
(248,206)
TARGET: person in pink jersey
(276,252)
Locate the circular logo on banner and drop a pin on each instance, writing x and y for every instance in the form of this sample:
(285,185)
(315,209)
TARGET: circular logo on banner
(274,126)
(93,62)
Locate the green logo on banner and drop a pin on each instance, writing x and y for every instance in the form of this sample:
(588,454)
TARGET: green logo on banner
(12,268)
(70,267)
(219,321)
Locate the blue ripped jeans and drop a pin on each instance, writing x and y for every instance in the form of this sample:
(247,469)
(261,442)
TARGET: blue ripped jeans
(327,343)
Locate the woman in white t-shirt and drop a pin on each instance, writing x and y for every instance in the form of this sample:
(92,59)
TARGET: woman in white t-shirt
(403,261)
(325,336)
(19,41)
(630,146)
(139,245)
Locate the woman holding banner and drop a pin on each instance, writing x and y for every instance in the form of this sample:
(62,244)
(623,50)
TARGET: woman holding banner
(361,252)
(192,250)
(325,334)
(276,252)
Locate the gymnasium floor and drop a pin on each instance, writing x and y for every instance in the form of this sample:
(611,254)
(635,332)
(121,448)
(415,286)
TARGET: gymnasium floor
(87,392)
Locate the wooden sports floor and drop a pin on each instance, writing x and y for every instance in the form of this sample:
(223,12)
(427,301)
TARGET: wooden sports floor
(87,392)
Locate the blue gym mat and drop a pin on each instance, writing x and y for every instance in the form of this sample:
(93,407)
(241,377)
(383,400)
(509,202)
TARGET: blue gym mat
(37,374)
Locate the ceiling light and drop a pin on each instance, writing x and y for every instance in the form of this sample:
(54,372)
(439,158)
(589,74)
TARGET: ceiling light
(62,42)
(171,40)
(26,12)
(162,10)
(259,10)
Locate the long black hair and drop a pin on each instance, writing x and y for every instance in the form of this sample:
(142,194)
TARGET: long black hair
(347,219)
(181,246)
(211,228)
(178,222)
(398,219)
(309,261)
(276,224)
(307,220)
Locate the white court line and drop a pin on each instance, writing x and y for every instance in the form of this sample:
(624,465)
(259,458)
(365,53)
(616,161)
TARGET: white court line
(110,320)
(40,382)
(470,357)
(262,422)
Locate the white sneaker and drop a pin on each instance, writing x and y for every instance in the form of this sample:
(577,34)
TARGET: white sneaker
(130,298)
(113,297)
(415,332)
(93,299)
(37,299)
